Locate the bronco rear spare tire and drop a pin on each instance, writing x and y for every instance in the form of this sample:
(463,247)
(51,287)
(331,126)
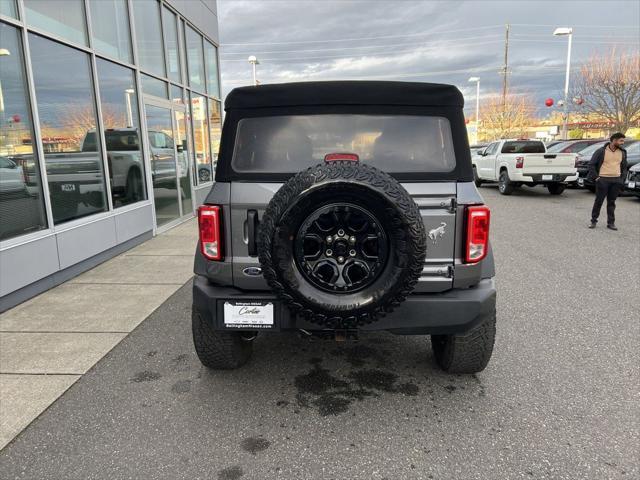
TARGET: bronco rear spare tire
(341,244)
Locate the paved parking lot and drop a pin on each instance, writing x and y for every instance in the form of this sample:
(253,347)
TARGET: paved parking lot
(559,399)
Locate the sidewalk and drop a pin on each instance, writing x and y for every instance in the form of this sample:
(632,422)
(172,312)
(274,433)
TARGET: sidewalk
(50,341)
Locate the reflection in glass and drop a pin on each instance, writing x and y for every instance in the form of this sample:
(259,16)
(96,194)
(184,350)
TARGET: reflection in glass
(119,105)
(21,200)
(177,96)
(195,59)
(67,114)
(146,16)
(215,130)
(61,17)
(110,26)
(211,57)
(183,161)
(200,129)
(153,86)
(163,164)
(171,41)
(8,8)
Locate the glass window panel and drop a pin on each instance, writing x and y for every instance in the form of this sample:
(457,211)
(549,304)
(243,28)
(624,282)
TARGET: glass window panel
(66,107)
(171,42)
(21,200)
(215,130)
(110,26)
(8,8)
(176,95)
(62,17)
(153,86)
(211,57)
(183,160)
(121,121)
(201,146)
(195,59)
(146,16)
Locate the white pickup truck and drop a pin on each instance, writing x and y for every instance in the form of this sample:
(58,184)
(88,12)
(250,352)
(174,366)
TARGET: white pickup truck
(513,163)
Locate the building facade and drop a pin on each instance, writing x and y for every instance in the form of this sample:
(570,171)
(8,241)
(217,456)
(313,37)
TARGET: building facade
(110,122)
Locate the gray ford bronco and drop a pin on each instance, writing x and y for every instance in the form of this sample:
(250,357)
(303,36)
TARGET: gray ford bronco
(341,208)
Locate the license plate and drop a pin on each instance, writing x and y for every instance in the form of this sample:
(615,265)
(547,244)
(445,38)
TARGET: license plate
(254,314)
(632,184)
(547,177)
(68,187)
(581,182)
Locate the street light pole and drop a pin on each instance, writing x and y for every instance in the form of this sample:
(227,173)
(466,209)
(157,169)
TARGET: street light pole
(254,61)
(562,31)
(477,80)
(127,93)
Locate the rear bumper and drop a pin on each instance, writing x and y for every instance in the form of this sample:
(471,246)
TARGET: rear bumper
(454,311)
(538,177)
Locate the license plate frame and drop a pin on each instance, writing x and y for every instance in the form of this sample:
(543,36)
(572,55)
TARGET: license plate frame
(547,178)
(632,184)
(248,314)
(68,187)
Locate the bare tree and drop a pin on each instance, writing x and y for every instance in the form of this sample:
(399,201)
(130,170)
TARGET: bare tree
(610,87)
(76,121)
(508,119)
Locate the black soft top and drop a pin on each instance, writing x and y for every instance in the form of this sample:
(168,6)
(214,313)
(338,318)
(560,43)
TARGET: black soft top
(345,93)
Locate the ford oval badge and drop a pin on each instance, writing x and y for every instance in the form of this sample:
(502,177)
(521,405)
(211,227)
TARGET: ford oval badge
(252,271)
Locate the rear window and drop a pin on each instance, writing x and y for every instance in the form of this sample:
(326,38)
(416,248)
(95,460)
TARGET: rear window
(523,146)
(393,143)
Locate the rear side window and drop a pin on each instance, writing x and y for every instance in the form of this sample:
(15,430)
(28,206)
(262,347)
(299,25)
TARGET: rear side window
(523,146)
(393,143)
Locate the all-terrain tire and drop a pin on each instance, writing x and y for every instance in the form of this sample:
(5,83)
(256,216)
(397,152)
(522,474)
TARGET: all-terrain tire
(468,352)
(505,185)
(219,350)
(368,188)
(556,188)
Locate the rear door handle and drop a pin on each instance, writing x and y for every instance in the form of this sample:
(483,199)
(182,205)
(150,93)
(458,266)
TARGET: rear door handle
(252,232)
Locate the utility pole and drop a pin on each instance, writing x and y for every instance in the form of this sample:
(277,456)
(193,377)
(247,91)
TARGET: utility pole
(505,70)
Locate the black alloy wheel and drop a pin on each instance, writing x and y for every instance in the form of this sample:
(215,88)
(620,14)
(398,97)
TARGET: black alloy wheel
(341,247)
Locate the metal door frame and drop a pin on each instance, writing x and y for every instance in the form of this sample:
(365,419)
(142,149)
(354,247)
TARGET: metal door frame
(171,107)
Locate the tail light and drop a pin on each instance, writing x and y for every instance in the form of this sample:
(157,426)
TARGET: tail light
(519,162)
(210,226)
(477,226)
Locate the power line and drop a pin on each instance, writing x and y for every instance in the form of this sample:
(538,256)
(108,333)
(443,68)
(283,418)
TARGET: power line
(419,49)
(363,46)
(360,38)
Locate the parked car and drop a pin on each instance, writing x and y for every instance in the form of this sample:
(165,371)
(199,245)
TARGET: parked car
(572,146)
(12,178)
(475,149)
(632,182)
(337,210)
(584,157)
(517,162)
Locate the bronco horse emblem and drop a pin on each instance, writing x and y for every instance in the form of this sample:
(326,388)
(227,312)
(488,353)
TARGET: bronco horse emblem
(437,233)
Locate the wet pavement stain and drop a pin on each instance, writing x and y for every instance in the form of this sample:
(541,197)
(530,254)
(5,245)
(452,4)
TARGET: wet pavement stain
(230,473)
(333,396)
(145,376)
(253,445)
(182,386)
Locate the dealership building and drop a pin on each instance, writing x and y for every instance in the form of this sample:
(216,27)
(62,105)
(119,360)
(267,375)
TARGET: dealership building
(110,121)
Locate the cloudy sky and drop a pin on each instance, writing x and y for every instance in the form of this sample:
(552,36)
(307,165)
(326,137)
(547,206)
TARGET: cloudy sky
(434,41)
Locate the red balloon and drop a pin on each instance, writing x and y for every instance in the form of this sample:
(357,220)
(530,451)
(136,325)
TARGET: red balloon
(549,102)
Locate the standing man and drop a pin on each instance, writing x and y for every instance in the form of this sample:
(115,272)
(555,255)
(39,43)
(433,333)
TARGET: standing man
(608,168)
